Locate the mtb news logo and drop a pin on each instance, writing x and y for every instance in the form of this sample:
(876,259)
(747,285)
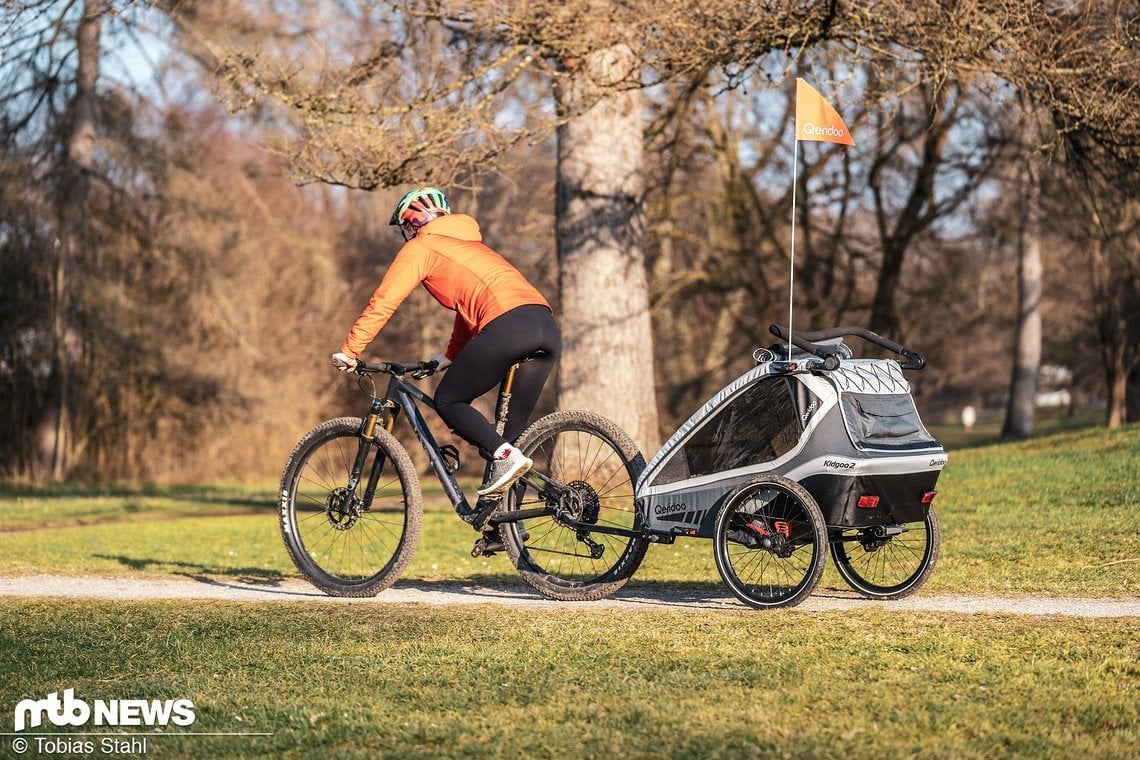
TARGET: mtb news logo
(69,711)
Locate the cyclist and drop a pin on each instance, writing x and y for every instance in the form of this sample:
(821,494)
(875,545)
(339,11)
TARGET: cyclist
(500,318)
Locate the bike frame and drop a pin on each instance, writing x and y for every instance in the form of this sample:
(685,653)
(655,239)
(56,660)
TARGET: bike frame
(400,395)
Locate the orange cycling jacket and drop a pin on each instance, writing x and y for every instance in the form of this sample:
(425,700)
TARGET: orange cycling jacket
(449,257)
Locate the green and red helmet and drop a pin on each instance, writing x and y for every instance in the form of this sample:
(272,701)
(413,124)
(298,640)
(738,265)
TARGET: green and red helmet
(417,208)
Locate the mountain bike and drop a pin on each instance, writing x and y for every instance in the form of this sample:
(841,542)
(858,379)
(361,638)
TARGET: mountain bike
(351,506)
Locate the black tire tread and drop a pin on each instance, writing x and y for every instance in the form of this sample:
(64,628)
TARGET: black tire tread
(630,560)
(413,499)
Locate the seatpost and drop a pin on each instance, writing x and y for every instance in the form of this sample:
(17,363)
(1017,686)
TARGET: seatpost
(503,407)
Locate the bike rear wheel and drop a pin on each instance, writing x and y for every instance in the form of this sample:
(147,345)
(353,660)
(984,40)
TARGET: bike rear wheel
(770,542)
(593,456)
(889,567)
(342,543)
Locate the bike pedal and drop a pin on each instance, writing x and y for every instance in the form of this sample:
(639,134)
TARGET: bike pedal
(450,456)
(485,548)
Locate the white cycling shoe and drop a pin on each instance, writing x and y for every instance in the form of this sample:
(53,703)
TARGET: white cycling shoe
(504,472)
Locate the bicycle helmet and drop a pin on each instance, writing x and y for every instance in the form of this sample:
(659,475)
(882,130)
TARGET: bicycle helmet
(417,208)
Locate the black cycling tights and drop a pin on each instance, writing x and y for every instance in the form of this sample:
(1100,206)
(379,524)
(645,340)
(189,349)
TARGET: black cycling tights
(483,363)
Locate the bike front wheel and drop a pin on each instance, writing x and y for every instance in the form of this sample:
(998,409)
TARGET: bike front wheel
(342,541)
(770,543)
(592,456)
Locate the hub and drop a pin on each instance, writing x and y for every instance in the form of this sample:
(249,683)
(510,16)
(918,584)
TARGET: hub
(587,503)
(341,509)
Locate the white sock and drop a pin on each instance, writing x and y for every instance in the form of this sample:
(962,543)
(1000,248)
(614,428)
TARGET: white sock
(503,451)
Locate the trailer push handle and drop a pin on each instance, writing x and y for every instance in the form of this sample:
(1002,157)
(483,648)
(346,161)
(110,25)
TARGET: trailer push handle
(830,358)
(805,340)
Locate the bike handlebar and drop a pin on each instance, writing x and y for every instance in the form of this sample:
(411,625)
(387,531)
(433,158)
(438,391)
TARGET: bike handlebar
(418,370)
(805,340)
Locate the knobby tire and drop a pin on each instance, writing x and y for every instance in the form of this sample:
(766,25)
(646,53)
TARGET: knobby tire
(593,455)
(341,546)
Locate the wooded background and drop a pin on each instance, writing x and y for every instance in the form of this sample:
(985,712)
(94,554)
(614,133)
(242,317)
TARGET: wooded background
(194,200)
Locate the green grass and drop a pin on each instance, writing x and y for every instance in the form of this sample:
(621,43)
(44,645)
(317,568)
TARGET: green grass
(420,682)
(1050,516)
(29,508)
(988,428)
(1054,514)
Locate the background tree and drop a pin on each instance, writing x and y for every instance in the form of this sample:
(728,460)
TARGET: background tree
(1100,214)
(1020,418)
(53,42)
(210,287)
(601,248)
(153,328)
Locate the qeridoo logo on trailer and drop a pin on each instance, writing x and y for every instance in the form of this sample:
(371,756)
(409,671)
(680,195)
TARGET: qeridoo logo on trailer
(69,711)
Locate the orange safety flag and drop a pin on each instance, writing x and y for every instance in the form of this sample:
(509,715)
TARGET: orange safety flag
(816,119)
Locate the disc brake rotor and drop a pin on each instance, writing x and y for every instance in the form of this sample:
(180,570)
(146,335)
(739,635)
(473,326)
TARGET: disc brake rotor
(340,509)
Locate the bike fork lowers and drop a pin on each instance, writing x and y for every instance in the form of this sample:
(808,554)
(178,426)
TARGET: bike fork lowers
(376,416)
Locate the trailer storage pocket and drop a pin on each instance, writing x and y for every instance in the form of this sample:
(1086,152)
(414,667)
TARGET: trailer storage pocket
(884,421)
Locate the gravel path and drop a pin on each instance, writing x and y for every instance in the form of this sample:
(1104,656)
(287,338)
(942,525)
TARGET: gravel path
(632,599)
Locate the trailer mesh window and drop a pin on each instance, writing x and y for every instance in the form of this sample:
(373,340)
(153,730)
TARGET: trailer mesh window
(758,425)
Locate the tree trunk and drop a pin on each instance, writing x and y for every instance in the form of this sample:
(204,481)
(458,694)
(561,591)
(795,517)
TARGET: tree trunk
(1117,391)
(1132,396)
(913,218)
(884,319)
(1112,327)
(607,362)
(1020,419)
(75,185)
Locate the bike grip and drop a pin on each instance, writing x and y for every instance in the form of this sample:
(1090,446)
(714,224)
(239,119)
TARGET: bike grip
(425,369)
(363,366)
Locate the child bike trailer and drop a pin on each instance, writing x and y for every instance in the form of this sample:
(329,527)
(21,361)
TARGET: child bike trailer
(809,447)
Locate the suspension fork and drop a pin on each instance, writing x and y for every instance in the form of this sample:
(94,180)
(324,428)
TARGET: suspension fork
(382,413)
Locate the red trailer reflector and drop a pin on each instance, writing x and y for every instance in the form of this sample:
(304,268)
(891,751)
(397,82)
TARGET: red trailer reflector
(867,501)
(929,496)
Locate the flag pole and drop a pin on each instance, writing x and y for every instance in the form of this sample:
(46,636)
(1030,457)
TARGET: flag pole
(818,121)
(792,261)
